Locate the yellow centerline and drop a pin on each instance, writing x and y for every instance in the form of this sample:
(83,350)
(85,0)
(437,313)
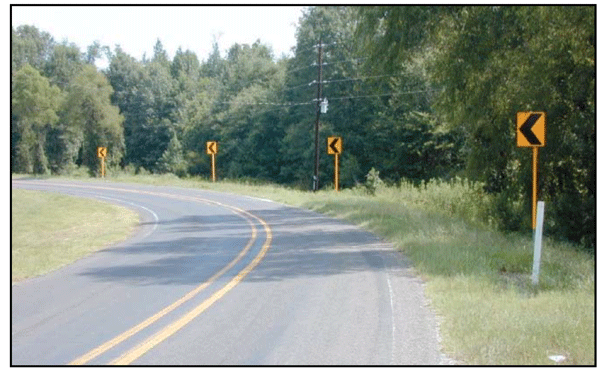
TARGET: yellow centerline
(172,328)
(144,347)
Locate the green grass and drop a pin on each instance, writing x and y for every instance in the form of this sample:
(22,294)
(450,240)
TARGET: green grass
(477,278)
(52,230)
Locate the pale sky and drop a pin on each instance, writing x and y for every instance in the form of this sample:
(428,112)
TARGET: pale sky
(136,28)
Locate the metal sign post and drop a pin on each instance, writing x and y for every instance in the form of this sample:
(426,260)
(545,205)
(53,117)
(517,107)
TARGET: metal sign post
(537,244)
(534,187)
(336,176)
(213,167)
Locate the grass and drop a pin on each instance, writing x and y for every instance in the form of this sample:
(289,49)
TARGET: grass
(477,278)
(52,230)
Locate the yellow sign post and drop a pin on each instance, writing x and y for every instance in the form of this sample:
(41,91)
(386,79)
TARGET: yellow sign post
(211,149)
(102,151)
(531,133)
(334,147)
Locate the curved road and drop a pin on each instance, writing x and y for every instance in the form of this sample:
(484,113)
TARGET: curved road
(221,279)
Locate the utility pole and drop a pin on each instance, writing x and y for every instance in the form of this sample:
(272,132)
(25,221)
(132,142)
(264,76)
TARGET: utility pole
(319,83)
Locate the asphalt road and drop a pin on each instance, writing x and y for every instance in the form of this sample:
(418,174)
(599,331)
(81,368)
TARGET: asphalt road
(222,279)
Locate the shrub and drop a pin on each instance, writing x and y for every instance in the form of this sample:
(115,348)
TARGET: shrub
(373,181)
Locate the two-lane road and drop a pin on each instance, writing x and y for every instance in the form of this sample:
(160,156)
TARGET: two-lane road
(212,278)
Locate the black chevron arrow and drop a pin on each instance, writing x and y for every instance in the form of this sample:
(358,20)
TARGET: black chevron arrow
(527,126)
(211,147)
(332,145)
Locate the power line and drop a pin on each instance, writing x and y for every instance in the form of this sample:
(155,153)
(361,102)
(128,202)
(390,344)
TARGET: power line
(300,69)
(387,94)
(343,61)
(358,78)
(280,108)
(296,52)
(299,86)
(324,63)
(287,104)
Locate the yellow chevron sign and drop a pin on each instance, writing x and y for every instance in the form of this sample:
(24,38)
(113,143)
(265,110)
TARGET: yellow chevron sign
(334,145)
(531,129)
(211,147)
(102,152)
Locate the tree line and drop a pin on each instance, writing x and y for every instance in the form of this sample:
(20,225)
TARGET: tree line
(417,92)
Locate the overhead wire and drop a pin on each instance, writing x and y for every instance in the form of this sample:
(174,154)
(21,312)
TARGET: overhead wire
(342,61)
(387,94)
(299,86)
(287,104)
(357,78)
(300,69)
(314,64)
(293,104)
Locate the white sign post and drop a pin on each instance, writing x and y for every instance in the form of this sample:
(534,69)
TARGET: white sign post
(537,245)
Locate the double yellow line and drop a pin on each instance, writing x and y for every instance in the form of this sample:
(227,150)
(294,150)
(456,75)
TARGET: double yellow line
(133,354)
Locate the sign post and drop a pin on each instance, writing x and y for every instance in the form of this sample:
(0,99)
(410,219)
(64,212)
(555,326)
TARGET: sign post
(101,151)
(537,244)
(334,147)
(531,133)
(212,149)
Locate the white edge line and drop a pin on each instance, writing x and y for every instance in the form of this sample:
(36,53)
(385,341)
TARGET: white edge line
(391,294)
(156,219)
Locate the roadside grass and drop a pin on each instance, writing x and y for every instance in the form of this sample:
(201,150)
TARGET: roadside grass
(477,278)
(52,230)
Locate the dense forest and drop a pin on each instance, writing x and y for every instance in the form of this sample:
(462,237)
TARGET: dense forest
(416,92)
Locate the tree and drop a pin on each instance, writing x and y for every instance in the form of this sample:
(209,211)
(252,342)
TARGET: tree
(34,104)
(172,159)
(92,120)
(334,27)
(95,51)
(30,46)
(490,57)
(490,62)
(64,63)
(145,95)
(213,67)
(250,136)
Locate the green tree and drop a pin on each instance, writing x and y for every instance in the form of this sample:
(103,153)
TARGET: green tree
(334,28)
(95,51)
(490,62)
(34,104)
(240,116)
(192,107)
(172,159)
(509,59)
(92,121)
(145,95)
(30,46)
(125,75)
(157,97)
(63,64)
(213,67)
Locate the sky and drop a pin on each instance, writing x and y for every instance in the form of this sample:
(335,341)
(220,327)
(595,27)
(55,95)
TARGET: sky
(136,28)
